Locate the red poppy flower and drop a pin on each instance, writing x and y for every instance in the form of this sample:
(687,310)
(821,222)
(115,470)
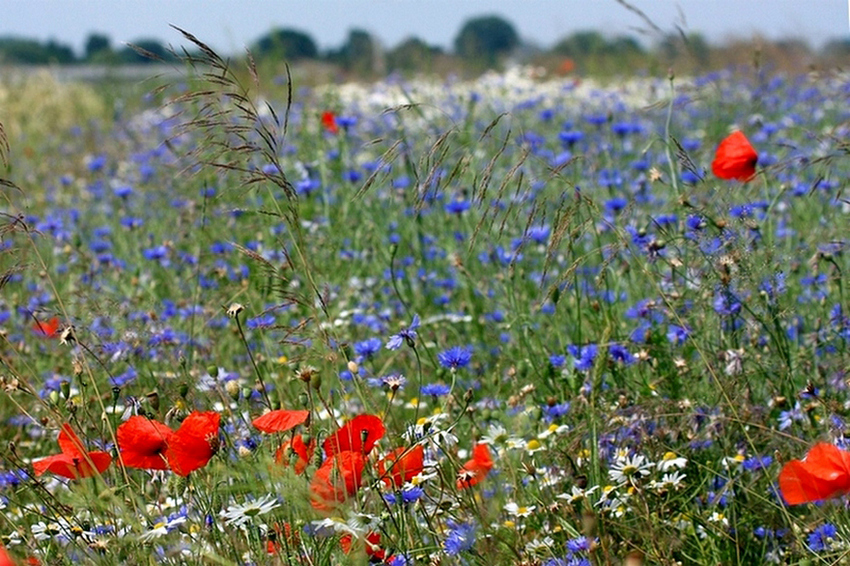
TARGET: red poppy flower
(823,474)
(143,443)
(337,479)
(476,468)
(372,544)
(194,443)
(401,465)
(278,533)
(735,158)
(296,445)
(329,122)
(281,420)
(358,435)
(47,328)
(5,559)
(74,461)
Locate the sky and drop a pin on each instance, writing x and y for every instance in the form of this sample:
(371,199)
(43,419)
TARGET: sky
(231,26)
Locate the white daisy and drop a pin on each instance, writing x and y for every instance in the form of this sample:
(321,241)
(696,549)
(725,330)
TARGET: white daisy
(163,527)
(630,468)
(670,461)
(669,481)
(576,494)
(520,512)
(239,515)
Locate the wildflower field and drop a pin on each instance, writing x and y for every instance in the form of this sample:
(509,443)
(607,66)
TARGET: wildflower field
(515,320)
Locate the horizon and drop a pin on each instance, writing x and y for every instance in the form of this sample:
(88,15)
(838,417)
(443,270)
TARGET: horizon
(540,22)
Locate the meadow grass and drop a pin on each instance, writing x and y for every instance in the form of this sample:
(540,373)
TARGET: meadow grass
(639,344)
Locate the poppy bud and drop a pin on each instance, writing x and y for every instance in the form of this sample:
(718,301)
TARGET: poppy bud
(316,381)
(232,388)
(213,371)
(153,399)
(184,390)
(65,388)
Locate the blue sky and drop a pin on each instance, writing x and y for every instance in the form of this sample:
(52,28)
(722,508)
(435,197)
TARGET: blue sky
(230,26)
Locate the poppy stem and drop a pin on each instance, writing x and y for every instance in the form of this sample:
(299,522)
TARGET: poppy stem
(253,363)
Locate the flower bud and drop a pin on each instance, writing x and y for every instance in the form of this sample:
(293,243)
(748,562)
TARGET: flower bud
(65,388)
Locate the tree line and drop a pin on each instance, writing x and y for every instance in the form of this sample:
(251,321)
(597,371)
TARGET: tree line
(482,43)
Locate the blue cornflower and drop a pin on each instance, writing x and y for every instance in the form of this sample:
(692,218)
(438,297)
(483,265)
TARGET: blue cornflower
(411,494)
(123,191)
(726,303)
(787,418)
(435,389)
(405,335)
(580,544)
(583,357)
(821,538)
(620,353)
(457,206)
(570,137)
(756,463)
(456,357)
(461,538)
(677,334)
(616,204)
(367,348)
(124,378)
(539,234)
(556,411)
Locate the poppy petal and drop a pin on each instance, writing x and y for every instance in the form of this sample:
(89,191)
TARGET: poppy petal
(337,479)
(827,461)
(401,465)
(194,443)
(823,474)
(100,460)
(69,442)
(143,443)
(297,446)
(281,420)
(735,158)
(73,467)
(475,469)
(59,464)
(357,435)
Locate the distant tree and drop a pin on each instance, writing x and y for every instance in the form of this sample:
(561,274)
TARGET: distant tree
(693,44)
(481,41)
(412,55)
(625,45)
(582,44)
(837,48)
(31,52)
(289,44)
(136,54)
(97,44)
(358,54)
(59,53)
